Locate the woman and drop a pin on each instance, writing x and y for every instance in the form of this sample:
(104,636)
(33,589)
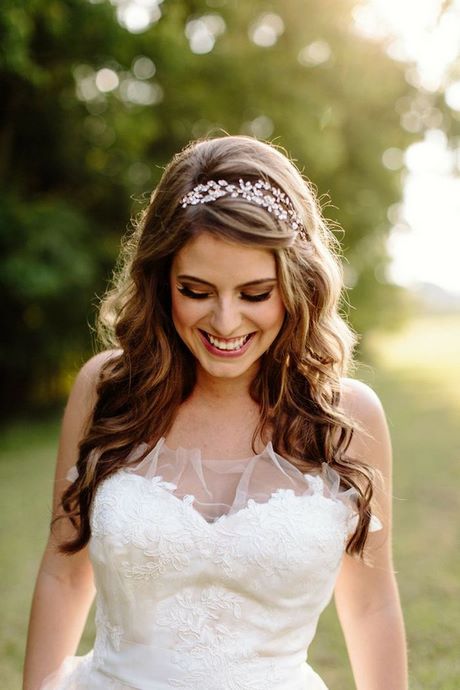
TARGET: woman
(225,470)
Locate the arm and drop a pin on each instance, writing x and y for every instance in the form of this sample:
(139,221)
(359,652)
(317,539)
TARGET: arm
(366,596)
(64,588)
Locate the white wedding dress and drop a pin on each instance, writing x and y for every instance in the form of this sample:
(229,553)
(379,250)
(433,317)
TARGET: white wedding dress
(210,574)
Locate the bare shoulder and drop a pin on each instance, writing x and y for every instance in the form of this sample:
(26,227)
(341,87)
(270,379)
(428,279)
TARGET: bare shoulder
(87,378)
(78,411)
(77,414)
(371,438)
(357,399)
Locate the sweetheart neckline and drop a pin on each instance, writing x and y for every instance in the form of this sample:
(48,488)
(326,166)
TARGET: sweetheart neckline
(327,478)
(187,500)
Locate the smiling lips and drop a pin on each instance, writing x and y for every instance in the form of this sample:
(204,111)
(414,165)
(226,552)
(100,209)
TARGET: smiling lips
(232,345)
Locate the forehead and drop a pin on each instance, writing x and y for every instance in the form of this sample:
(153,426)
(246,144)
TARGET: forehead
(214,259)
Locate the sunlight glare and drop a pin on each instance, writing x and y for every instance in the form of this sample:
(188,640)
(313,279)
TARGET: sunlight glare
(424,243)
(137,15)
(452,96)
(416,32)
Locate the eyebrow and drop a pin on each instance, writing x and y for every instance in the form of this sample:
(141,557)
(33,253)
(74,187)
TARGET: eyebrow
(250,283)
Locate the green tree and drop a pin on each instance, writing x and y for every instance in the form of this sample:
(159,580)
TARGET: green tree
(92,111)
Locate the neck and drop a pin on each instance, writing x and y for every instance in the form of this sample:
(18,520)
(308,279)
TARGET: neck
(223,389)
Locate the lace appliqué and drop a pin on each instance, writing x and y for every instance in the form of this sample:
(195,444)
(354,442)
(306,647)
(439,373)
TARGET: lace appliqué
(168,552)
(207,648)
(107,634)
(299,529)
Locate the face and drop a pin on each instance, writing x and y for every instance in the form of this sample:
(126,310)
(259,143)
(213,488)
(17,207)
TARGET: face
(226,304)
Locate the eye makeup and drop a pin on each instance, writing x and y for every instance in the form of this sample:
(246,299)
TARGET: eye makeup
(187,292)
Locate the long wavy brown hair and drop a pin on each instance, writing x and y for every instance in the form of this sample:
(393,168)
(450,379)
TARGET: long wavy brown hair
(152,372)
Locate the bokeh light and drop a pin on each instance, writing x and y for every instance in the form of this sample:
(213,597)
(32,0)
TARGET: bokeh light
(143,67)
(137,15)
(106,80)
(316,53)
(203,32)
(266,30)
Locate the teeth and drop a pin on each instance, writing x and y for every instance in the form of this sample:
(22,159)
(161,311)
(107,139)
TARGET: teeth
(234,344)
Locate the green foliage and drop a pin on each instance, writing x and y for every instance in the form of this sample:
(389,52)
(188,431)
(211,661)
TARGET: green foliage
(77,160)
(48,269)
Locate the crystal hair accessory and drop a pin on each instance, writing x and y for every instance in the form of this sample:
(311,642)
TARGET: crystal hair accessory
(260,192)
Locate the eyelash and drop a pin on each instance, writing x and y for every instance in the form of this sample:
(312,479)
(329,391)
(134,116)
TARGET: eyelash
(204,295)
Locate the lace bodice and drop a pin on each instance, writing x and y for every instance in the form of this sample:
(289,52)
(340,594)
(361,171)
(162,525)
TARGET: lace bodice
(210,574)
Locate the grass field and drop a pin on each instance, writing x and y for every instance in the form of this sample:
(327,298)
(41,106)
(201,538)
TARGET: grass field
(417,375)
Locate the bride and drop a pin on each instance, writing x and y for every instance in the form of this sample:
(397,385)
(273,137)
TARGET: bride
(218,476)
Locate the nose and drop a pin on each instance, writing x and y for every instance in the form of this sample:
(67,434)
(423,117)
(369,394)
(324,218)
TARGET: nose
(226,318)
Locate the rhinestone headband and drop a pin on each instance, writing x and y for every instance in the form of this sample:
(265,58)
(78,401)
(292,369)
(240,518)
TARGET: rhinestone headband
(260,192)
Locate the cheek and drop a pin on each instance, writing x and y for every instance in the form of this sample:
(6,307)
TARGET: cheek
(179,314)
(273,317)
(185,313)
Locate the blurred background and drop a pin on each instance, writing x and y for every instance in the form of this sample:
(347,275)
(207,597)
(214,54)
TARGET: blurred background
(97,95)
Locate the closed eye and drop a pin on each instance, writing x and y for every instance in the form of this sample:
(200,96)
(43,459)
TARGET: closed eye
(184,290)
(257,298)
(191,293)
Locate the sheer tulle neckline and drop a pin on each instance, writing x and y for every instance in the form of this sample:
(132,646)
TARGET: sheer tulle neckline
(219,487)
(224,487)
(197,450)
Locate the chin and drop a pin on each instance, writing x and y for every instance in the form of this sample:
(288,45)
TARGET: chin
(229,371)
